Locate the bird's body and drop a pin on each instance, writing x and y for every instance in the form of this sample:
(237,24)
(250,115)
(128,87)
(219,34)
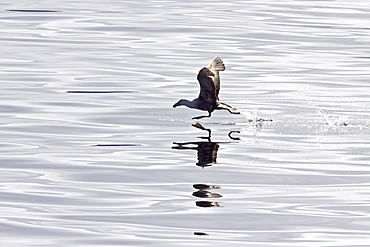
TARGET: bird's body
(209,81)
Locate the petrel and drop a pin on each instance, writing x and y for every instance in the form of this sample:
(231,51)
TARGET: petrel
(209,81)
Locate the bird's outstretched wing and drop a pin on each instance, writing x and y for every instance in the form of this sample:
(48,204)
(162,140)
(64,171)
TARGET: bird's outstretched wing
(207,93)
(215,66)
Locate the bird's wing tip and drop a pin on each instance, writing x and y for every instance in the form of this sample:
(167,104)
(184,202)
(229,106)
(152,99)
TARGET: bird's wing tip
(217,64)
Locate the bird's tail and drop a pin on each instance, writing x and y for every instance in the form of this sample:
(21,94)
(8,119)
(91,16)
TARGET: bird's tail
(217,64)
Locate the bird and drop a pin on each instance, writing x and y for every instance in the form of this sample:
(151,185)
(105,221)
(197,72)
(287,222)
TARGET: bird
(209,81)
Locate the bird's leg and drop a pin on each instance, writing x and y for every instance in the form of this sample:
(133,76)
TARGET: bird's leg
(209,114)
(223,108)
(222,103)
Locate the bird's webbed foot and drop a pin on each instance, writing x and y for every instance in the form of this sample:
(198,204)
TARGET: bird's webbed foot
(233,112)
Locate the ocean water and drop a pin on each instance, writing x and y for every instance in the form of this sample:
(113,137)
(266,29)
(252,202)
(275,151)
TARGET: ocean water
(93,154)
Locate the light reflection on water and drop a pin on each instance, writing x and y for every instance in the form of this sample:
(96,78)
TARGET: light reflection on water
(94,154)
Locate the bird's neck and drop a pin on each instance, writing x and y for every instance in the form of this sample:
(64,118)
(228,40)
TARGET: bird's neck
(191,104)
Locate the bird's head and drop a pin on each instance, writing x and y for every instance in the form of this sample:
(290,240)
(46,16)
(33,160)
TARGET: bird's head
(178,103)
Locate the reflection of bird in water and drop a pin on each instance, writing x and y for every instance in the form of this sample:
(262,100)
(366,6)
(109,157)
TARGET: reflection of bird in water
(205,186)
(206,194)
(207,151)
(203,191)
(209,81)
(207,204)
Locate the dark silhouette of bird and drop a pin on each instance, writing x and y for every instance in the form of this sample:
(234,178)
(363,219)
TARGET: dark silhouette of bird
(209,81)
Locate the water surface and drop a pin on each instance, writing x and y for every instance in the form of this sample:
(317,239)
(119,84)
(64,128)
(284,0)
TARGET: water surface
(93,154)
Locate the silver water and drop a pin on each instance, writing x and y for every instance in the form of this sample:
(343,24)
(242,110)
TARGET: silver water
(92,153)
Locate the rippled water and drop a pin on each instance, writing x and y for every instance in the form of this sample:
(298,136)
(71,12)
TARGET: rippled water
(93,154)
